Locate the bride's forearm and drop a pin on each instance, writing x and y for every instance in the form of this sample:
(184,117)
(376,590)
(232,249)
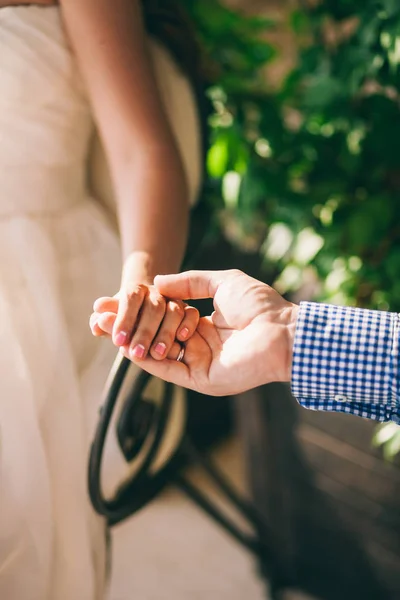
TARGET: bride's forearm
(153,213)
(111,46)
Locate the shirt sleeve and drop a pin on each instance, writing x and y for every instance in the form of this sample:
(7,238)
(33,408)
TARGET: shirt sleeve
(347,359)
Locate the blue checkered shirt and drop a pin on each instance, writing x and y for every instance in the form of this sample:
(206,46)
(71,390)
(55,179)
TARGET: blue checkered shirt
(347,359)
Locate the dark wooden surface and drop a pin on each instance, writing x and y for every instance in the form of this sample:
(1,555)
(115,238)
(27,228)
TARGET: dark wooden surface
(331,501)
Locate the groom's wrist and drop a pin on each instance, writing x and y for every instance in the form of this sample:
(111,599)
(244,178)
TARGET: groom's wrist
(293,313)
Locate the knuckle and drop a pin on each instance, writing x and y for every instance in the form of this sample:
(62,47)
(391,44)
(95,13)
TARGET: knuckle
(132,292)
(141,288)
(159,304)
(177,309)
(235,272)
(192,320)
(191,317)
(191,311)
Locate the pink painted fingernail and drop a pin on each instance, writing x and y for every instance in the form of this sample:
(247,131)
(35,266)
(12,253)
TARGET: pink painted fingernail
(138,351)
(121,338)
(184,333)
(160,348)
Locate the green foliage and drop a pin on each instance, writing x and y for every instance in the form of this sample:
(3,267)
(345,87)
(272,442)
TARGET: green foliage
(319,157)
(315,163)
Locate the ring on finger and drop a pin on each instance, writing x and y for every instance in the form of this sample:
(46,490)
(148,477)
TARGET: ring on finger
(181,354)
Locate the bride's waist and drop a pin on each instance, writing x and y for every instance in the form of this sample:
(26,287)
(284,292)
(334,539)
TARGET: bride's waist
(41,189)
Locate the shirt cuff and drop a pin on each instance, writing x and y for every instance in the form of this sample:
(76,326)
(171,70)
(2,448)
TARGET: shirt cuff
(347,359)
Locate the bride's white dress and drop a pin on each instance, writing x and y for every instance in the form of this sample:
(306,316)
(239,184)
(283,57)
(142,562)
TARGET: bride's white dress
(58,251)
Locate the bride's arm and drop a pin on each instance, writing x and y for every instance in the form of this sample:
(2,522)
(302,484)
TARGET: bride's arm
(109,40)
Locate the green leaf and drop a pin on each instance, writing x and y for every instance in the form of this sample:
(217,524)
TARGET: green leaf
(391,7)
(299,21)
(217,159)
(322,91)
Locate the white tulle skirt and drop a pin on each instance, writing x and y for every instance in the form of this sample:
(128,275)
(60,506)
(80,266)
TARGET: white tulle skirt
(52,374)
(59,251)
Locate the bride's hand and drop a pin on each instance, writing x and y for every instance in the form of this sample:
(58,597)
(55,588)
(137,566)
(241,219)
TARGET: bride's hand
(246,342)
(142,322)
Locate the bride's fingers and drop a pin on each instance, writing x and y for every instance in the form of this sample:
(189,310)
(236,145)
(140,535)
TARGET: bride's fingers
(172,354)
(189,323)
(106,304)
(174,351)
(106,322)
(102,324)
(95,329)
(211,334)
(166,334)
(191,372)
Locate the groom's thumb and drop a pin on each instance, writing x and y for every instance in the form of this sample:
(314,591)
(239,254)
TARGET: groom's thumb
(190,285)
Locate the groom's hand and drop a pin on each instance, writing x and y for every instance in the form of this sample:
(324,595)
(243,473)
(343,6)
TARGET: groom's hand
(246,342)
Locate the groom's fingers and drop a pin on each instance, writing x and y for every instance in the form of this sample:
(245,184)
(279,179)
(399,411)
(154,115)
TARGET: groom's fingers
(190,285)
(167,369)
